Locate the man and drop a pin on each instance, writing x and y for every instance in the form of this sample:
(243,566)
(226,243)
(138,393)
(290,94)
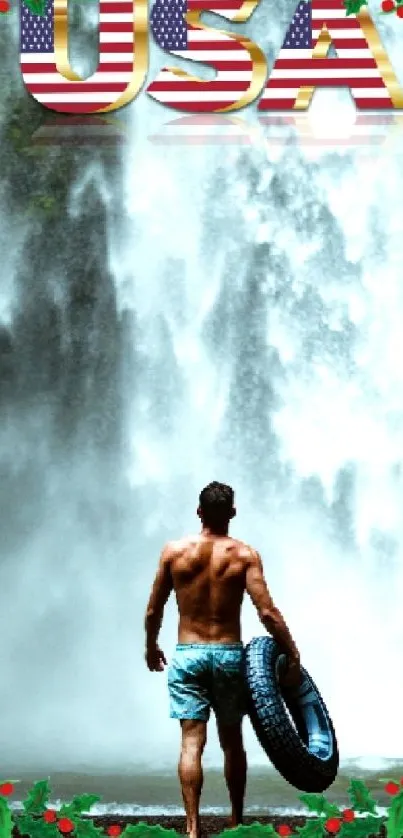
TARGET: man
(209,574)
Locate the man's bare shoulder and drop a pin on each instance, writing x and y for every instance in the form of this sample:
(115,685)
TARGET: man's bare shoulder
(177,546)
(245,551)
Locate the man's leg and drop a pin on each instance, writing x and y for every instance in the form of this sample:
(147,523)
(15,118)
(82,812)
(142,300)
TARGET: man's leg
(194,734)
(235,767)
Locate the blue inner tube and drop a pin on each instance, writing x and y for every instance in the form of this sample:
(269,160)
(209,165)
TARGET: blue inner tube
(293,726)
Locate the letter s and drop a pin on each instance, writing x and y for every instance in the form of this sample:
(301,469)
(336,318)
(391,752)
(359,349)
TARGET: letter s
(240,64)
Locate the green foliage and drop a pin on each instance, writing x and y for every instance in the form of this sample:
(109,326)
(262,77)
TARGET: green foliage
(253,830)
(36,827)
(317,803)
(312,829)
(32,822)
(87,829)
(36,7)
(80,803)
(145,830)
(361,827)
(37,798)
(6,824)
(394,823)
(354,6)
(361,798)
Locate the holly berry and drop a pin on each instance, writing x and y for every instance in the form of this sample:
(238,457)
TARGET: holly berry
(115,830)
(65,825)
(4,6)
(284,830)
(50,816)
(388,5)
(399,11)
(392,788)
(348,815)
(6,788)
(333,825)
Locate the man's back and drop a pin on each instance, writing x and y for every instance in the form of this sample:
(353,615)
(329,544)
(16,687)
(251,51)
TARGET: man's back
(208,576)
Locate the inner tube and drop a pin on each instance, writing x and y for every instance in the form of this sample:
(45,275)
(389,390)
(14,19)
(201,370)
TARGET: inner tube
(293,726)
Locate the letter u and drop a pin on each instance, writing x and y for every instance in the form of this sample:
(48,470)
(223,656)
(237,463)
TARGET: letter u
(122,66)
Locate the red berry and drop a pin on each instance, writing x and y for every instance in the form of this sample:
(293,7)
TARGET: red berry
(65,825)
(348,815)
(333,825)
(284,830)
(6,788)
(399,11)
(388,5)
(4,6)
(392,788)
(50,816)
(115,830)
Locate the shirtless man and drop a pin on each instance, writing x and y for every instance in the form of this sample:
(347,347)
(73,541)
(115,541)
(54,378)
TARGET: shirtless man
(209,574)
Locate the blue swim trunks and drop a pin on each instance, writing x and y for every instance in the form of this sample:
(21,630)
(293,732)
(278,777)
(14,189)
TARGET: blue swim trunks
(204,676)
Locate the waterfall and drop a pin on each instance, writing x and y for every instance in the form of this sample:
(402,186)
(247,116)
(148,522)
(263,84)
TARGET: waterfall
(169,318)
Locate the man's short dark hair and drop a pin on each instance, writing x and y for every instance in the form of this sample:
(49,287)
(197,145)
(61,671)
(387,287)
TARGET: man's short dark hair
(216,503)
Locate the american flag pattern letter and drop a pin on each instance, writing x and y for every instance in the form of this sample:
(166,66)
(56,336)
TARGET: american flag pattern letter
(107,88)
(354,66)
(233,61)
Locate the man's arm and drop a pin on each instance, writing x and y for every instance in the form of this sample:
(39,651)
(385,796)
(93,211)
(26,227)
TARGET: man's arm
(160,592)
(269,615)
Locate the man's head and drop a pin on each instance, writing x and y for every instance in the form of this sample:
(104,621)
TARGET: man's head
(216,506)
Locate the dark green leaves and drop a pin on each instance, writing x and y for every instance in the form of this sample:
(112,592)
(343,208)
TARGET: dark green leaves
(6,824)
(36,7)
(354,6)
(37,798)
(361,798)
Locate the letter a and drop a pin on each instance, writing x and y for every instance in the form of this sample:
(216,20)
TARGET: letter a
(361,64)
(121,69)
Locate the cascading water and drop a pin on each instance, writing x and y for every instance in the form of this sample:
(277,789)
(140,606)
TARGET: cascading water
(175,317)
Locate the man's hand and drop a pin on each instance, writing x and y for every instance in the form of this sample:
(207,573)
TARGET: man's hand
(155,659)
(291,675)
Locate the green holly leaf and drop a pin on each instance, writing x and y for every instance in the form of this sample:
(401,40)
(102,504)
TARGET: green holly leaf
(36,7)
(36,827)
(37,798)
(354,6)
(87,829)
(80,803)
(361,797)
(312,829)
(6,824)
(317,803)
(361,827)
(394,823)
(253,830)
(145,830)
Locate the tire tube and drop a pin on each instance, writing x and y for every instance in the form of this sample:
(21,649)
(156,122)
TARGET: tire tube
(306,755)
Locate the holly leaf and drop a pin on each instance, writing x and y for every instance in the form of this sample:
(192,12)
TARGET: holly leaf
(361,827)
(311,829)
(354,6)
(87,829)
(80,803)
(36,7)
(36,827)
(361,797)
(394,823)
(37,798)
(317,803)
(145,830)
(6,824)
(252,830)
